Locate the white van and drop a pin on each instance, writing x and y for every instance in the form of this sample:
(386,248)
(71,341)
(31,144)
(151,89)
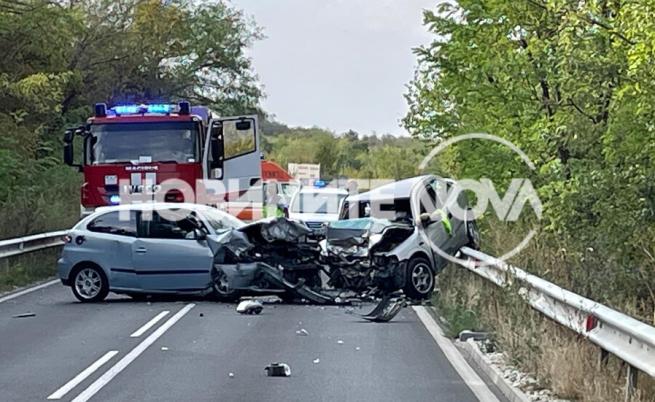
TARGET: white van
(314,206)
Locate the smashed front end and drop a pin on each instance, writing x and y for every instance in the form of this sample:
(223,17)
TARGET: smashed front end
(359,254)
(269,256)
(285,257)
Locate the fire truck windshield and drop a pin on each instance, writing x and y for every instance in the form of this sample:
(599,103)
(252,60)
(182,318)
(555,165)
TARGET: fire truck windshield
(144,142)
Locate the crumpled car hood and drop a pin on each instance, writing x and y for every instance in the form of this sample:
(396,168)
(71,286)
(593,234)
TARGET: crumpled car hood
(276,229)
(360,237)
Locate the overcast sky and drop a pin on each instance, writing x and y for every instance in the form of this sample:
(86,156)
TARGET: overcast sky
(338,64)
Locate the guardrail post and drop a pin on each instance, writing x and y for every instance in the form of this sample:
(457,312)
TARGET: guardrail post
(631,382)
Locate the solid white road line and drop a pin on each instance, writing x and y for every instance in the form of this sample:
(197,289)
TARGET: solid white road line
(58,394)
(470,377)
(149,324)
(130,357)
(28,290)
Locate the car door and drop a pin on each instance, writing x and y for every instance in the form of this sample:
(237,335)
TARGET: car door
(430,198)
(168,257)
(110,244)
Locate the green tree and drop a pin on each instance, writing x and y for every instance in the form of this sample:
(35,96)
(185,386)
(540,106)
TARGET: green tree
(569,83)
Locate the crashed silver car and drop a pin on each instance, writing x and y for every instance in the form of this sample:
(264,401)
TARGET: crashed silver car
(399,236)
(394,238)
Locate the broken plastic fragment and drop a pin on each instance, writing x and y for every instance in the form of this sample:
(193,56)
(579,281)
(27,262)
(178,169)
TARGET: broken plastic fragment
(24,315)
(164,348)
(388,308)
(250,307)
(317,361)
(302,332)
(340,342)
(278,370)
(231,375)
(357,348)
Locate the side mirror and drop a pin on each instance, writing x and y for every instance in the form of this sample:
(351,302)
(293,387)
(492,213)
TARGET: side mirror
(216,149)
(68,154)
(68,136)
(215,145)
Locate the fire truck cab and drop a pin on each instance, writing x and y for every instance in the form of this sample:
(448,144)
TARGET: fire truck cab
(164,152)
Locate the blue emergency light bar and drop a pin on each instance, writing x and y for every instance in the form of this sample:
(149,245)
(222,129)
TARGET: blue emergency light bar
(319,183)
(137,109)
(183,108)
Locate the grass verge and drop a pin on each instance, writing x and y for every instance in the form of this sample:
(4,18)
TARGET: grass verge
(562,360)
(22,270)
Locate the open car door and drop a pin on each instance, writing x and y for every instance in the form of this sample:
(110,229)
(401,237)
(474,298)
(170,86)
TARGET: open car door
(233,156)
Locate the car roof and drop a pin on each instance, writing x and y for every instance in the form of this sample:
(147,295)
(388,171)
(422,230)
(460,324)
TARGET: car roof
(323,190)
(397,189)
(153,205)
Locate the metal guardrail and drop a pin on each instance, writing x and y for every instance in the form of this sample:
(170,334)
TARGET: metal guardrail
(619,334)
(21,245)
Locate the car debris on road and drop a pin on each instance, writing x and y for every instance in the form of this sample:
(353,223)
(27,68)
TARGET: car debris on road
(24,315)
(250,307)
(278,370)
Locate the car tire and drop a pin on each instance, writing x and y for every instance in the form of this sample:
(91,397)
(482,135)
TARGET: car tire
(221,290)
(473,235)
(420,280)
(89,284)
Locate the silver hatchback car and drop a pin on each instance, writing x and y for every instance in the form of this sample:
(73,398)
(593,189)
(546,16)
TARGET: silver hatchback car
(143,248)
(400,235)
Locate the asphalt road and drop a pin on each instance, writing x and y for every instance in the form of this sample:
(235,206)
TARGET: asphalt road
(189,353)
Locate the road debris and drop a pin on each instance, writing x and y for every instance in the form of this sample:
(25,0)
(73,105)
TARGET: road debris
(302,332)
(316,361)
(164,348)
(231,375)
(278,370)
(388,308)
(357,348)
(24,315)
(250,307)
(340,342)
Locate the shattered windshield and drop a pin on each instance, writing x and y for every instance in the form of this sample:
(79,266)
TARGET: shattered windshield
(157,142)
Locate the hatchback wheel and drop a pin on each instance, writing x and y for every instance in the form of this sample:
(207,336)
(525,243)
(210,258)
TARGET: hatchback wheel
(90,284)
(221,289)
(419,282)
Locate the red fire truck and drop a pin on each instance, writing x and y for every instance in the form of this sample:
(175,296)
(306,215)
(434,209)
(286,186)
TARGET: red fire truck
(133,151)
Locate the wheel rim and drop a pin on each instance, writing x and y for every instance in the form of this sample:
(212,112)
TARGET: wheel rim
(220,282)
(88,283)
(422,278)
